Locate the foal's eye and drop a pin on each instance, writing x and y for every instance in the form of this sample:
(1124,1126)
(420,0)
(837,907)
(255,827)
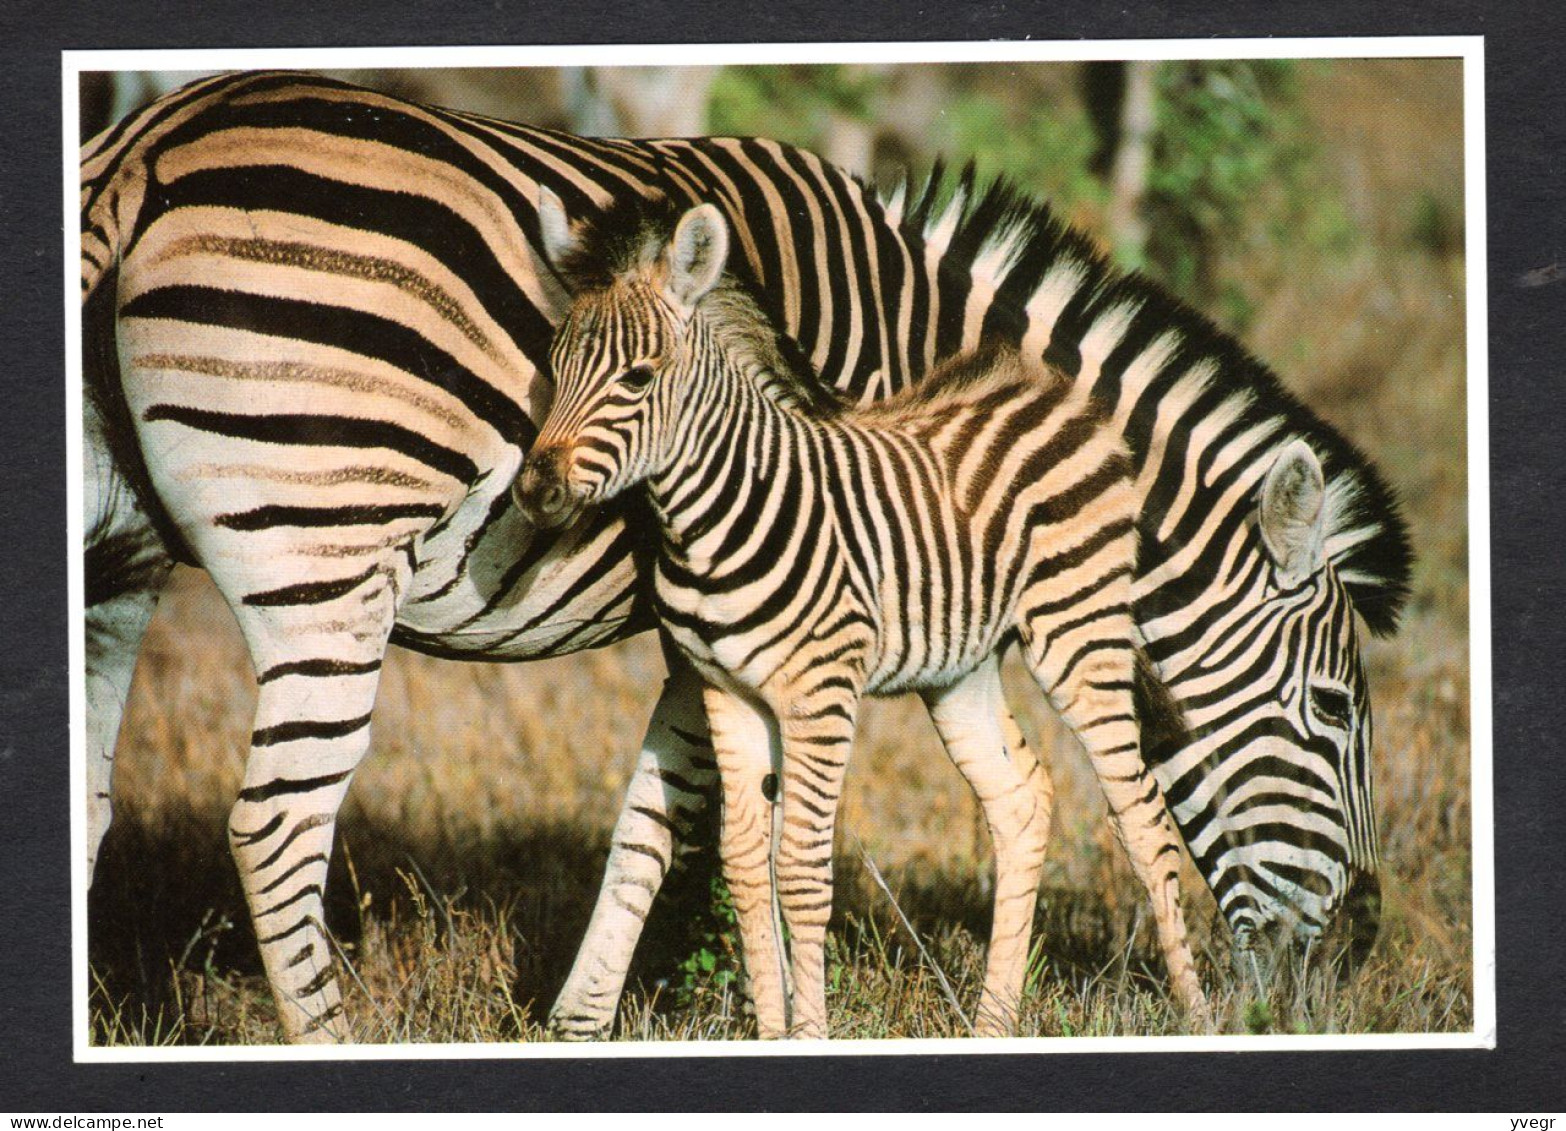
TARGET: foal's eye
(1332,706)
(638,378)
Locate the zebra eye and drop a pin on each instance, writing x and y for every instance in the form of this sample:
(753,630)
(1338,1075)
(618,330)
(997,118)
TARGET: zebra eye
(1332,706)
(637,379)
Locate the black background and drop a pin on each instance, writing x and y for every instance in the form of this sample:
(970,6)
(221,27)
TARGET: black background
(1525,77)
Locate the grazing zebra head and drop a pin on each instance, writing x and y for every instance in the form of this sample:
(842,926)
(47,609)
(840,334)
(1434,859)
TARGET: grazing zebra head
(1274,790)
(1248,587)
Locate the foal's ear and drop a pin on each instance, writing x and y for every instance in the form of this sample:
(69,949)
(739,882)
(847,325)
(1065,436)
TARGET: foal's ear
(696,255)
(559,240)
(1293,514)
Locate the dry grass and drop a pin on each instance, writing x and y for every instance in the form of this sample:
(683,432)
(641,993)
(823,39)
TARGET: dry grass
(474,838)
(476,831)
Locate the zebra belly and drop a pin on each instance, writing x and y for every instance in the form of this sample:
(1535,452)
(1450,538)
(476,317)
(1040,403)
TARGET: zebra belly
(739,660)
(920,649)
(939,671)
(507,591)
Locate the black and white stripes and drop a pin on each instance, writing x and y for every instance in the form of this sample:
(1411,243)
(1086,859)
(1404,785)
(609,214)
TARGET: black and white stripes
(317,331)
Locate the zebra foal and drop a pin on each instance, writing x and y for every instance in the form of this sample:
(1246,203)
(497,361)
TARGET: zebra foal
(810,555)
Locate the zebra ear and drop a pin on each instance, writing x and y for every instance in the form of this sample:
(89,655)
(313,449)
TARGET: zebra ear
(1293,514)
(559,240)
(696,255)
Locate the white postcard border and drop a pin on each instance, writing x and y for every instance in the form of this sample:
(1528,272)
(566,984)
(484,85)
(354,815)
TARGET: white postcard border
(1468,48)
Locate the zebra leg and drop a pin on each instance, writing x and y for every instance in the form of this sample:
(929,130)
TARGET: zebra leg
(124,568)
(1091,683)
(674,776)
(1029,766)
(971,718)
(318,667)
(742,740)
(115,628)
(818,735)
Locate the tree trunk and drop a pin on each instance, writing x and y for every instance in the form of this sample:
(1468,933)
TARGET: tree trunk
(639,101)
(1133,159)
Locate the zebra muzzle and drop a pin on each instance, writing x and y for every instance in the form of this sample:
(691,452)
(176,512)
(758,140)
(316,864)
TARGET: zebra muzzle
(541,491)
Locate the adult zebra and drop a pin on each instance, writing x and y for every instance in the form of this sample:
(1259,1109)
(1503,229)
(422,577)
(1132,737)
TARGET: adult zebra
(316,324)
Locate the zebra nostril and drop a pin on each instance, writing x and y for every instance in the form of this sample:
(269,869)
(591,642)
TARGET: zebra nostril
(537,490)
(550,502)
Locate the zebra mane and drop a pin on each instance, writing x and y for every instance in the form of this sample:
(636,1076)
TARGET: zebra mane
(997,237)
(745,328)
(961,376)
(621,239)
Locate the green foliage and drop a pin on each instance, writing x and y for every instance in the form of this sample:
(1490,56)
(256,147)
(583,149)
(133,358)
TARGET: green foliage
(1232,176)
(1433,228)
(1230,144)
(794,103)
(713,964)
(1047,152)
(1258,1017)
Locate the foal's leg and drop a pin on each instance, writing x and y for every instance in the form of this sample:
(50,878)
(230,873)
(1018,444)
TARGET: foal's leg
(742,737)
(818,734)
(986,745)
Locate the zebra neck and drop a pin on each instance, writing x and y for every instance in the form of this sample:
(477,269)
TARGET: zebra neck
(731,440)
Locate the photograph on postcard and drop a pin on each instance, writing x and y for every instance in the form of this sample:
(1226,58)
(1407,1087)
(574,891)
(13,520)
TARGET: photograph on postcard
(963,520)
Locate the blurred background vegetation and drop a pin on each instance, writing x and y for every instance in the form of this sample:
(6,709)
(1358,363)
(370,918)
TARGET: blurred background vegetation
(1314,208)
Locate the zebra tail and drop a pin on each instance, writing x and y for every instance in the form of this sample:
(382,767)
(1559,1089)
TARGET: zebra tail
(1162,722)
(130,538)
